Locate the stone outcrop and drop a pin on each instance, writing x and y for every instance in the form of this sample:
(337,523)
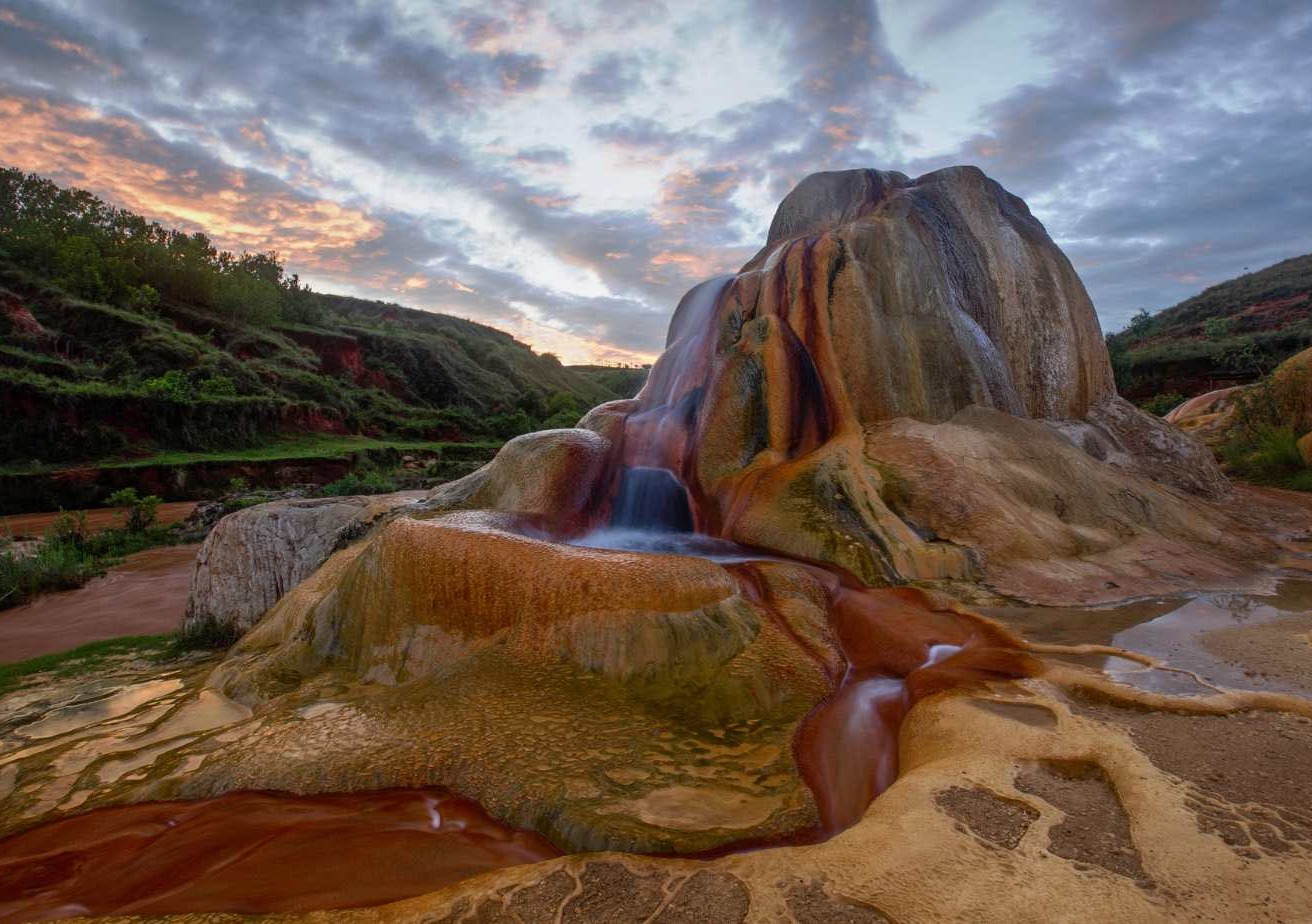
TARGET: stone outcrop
(255,556)
(1207,417)
(908,384)
(555,476)
(1049,520)
(878,298)
(1283,399)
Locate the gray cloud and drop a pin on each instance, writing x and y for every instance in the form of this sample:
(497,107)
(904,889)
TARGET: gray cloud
(1166,155)
(612,78)
(1167,151)
(951,16)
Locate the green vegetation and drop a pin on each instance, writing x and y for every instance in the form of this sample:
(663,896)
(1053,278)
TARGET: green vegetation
(104,254)
(124,340)
(1161,405)
(1235,331)
(89,658)
(1262,437)
(138,512)
(71,555)
(368,481)
(290,448)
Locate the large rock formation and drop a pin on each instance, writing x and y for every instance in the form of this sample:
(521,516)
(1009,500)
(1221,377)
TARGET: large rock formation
(878,299)
(907,384)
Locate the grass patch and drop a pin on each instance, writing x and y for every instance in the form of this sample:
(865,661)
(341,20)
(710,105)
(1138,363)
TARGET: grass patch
(66,563)
(1270,456)
(88,658)
(316,446)
(370,481)
(54,566)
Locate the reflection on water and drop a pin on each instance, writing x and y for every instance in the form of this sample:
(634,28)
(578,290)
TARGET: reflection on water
(694,545)
(76,715)
(1189,633)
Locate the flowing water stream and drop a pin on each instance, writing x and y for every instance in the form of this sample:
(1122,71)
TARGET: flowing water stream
(264,852)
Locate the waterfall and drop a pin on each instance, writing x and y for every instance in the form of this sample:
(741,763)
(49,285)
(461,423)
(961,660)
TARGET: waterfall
(651,499)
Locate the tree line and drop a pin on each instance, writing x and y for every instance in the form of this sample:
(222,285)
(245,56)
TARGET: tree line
(107,254)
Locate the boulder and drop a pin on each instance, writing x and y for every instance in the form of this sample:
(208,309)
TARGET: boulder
(1291,392)
(255,556)
(551,475)
(1207,417)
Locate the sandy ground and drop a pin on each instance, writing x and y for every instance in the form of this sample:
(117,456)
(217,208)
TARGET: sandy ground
(33,525)
(146,595)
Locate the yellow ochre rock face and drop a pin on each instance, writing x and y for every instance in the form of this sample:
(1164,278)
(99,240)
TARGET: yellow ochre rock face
(421,586)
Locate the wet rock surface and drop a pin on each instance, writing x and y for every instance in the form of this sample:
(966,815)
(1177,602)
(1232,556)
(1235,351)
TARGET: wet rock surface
(907,386)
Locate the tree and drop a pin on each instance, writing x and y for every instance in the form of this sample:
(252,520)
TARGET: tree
(78,268)
(1140,321)
(1217,328)
(139,512)
(245,296)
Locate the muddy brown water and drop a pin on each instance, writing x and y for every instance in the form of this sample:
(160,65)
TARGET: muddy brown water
(34,525)
(145,595)
(241,852)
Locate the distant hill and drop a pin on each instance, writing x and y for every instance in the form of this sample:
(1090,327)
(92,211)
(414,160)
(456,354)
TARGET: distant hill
(122,338)
(1228,334)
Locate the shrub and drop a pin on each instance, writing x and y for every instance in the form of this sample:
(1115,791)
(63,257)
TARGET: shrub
(140,511)
(1271,455)
(1245,355)
(561,421)
(143,298)
(173,385)
(1161,405)
(53,566)
(1217,328)
(217,386)
(370,481)
(69,528)
(510,424)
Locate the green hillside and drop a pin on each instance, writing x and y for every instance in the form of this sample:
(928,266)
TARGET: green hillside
(123,339)
(1231,333)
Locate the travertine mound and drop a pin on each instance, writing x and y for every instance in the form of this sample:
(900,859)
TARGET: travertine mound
(879,299)
(937,293)
(907,384)
(1049,522)
(1207,416)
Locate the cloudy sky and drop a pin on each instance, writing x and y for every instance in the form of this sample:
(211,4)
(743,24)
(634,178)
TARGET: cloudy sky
(566,170)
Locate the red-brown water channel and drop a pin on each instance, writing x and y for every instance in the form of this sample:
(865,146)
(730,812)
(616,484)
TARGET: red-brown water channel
(254,852)
(261,852)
